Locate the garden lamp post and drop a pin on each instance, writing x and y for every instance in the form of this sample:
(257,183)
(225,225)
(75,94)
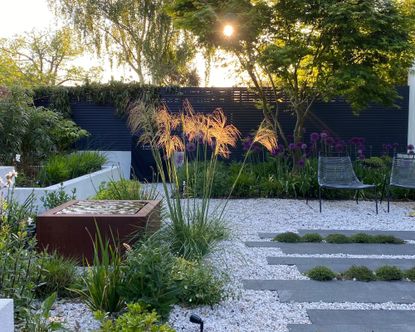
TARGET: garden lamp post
(197,320)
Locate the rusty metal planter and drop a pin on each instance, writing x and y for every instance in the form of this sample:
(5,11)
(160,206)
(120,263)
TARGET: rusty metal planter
(71,234)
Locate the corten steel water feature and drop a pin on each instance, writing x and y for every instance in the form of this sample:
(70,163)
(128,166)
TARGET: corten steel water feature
(70,227)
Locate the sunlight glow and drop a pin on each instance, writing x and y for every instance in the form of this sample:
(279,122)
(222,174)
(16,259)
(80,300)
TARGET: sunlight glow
(228,30)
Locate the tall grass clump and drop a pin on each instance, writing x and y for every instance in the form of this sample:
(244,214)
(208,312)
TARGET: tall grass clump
(177,140)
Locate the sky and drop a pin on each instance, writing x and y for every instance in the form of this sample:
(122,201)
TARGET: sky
(18,16)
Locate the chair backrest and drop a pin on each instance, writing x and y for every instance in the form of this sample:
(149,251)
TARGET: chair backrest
(336,170)
(403,170)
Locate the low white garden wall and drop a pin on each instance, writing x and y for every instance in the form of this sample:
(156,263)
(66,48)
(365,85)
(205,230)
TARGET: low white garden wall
(86,186)
(6,315)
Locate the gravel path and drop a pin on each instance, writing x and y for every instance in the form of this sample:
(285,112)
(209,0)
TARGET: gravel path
(248,310)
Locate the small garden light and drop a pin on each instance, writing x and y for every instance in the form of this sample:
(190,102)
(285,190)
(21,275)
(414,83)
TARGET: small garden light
(197,320)
(228,30)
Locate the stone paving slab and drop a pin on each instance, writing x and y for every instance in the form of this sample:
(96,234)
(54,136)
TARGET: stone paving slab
(357,321)
(337,291)
(304,264)
(349,328)
(404,235)
(328,248)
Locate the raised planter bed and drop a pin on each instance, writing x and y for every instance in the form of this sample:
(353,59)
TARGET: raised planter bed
(86,186)
(70,227)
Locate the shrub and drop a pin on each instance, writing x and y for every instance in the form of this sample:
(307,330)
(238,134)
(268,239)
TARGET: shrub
(120,190)
(386,239)
(136,319)
(321,273)
(58,275)
(361,238)
(389,273)
(148,276)
(311,237)
(288,237)
(102,280)
(60,168)
(198,284)
(410,274)
(52,199)
(337,238)
(361,273)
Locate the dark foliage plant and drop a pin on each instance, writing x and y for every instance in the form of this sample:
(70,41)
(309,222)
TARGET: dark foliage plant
(361,273)
(288,237)
(321,273)
(389,273)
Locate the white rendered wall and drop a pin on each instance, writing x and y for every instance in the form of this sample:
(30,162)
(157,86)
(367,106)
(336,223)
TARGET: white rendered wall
(121,159)
(6,315)
(411,117)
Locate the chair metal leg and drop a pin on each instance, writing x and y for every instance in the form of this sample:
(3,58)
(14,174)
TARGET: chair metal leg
(389,197)
(319,196)
(376,200)
(357,196)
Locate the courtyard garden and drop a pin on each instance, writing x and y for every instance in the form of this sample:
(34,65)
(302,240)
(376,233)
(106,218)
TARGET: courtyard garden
(162,202)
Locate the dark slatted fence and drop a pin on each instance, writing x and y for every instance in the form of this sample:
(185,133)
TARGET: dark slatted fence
(379,125)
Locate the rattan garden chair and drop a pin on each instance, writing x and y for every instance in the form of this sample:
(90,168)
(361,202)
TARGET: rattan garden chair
(337,173)
(402,173)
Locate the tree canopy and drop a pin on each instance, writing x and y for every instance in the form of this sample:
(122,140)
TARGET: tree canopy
(138,33)
(309,49)
(42,58)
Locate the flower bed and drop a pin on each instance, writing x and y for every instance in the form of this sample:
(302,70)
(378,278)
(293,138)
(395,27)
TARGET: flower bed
(86,186)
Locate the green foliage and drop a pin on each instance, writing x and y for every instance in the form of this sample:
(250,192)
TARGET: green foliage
(58,275)
(311,237)
(288,237)
(43,58)
(33,132)
(198,284)
(410,274)
(389,273)
(60,168)
(52,199)
(120,190)
(321,273)
(337,238)
(390,239)
(102,280)
(195,240)
(136,319)
(136,33)
(147,277)
(361,273)
(41,321)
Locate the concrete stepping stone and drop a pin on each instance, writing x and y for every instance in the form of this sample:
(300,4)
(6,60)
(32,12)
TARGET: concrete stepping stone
(357,321)
(337,291)
(304,264)
(328,248)
(404,235)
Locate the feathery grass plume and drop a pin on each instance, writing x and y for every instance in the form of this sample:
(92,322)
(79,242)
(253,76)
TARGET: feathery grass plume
(266,137)
(224,135)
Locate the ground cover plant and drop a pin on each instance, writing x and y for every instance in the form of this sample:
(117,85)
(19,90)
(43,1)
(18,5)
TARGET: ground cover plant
(361,273)
(290,237)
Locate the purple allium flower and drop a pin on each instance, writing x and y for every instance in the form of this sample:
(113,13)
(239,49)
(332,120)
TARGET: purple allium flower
(191,147)
(330,140)
(339,147)
(301,163)
(410,147)
(355,140)
(388,146)
(303,146)
(360,151)
(395,145)
(291,146)
(323,135)
(314,137)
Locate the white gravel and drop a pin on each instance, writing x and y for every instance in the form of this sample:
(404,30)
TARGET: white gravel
(249,310)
